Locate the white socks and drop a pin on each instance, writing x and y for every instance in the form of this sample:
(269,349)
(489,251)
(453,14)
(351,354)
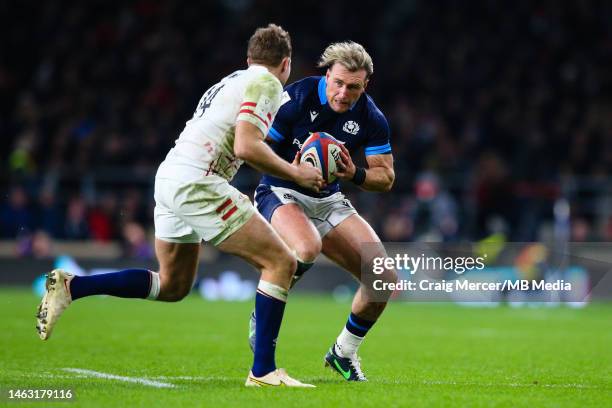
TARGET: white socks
(272,290)
(154,291)
(347,343)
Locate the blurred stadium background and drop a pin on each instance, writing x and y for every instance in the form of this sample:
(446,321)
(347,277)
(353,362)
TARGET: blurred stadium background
(501,118)
(498,112)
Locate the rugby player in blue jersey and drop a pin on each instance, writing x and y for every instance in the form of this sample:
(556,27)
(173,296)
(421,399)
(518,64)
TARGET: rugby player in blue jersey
(325,221)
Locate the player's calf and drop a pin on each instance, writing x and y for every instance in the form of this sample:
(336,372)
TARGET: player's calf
(371,293)
(173,290)
(63,288)
(302,267)
(257,243)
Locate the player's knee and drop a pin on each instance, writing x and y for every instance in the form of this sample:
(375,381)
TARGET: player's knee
(286,264)
(282,270)
(291,265)
(307,251)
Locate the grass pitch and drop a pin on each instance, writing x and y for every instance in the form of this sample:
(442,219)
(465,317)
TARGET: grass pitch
(417,355)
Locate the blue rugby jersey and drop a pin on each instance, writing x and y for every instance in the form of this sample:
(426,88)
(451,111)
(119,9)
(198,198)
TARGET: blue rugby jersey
(305,110)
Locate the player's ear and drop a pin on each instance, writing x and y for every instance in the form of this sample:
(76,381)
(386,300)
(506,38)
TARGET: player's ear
(286,64)
(365,84)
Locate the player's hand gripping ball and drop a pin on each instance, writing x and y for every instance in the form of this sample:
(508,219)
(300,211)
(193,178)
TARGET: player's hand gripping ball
(322,150)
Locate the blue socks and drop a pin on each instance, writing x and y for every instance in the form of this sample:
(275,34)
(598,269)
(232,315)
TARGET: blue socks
(358,326)
(140,283)
(129,283)
(269,308)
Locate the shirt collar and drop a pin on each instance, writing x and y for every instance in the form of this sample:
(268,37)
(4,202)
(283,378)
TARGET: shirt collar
(257,67)
(322,86)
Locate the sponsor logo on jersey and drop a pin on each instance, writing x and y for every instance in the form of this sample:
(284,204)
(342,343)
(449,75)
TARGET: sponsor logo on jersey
(298,143)
(288,196)
(313,115)
(351,127)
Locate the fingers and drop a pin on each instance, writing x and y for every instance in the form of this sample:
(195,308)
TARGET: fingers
(316,179)
(344,150)
(296,159)
(322,184)
(317,185)
(345,157)
(319,180)
(316,172)
(345,164)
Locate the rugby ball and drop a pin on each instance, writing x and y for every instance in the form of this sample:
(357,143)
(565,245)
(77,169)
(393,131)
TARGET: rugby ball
(322,150)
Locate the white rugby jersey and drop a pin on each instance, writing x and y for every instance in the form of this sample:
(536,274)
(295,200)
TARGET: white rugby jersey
(206,145)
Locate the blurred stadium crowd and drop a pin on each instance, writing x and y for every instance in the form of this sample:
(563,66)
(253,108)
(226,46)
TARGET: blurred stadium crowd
(498,110)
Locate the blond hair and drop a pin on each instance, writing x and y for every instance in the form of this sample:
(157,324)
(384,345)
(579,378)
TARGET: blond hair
(350,54)
(269,45)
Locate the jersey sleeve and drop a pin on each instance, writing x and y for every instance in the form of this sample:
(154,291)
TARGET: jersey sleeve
(281,128)
(261,102)
(379,136)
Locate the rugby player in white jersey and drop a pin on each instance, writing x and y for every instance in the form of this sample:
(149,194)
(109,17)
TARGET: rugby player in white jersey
(195,203)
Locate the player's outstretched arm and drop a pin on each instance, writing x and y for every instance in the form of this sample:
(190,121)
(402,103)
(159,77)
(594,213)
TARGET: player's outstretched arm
(249,145)
(379,176)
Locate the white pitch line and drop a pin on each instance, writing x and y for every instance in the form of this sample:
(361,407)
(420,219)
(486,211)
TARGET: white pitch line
(137,380)
(150,380)
(49,375)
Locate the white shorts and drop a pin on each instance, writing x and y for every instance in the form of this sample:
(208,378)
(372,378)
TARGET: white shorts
(325,213)
(208,209)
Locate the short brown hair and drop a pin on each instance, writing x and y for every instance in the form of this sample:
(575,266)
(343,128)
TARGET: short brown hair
(269,45)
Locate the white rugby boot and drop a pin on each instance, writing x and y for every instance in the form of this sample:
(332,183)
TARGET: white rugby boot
(276,378)
(54,302)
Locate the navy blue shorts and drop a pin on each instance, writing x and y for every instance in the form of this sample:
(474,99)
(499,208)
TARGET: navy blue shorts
(266,201)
